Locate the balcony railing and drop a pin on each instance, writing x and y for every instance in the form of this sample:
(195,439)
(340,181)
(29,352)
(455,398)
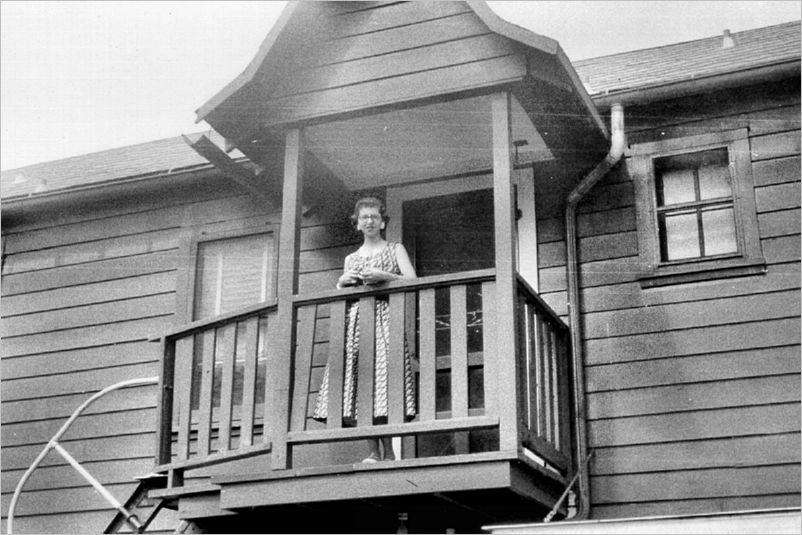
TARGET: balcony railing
(218,402)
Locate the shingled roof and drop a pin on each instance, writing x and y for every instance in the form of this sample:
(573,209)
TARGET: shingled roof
(693,59)
(603,75)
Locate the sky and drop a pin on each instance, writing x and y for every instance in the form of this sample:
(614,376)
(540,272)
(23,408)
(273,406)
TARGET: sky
(84,76)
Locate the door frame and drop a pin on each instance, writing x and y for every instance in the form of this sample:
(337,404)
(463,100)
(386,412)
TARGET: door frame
(523,180)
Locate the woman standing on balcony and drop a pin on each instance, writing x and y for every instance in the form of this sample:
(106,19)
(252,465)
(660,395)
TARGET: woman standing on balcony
(376,262)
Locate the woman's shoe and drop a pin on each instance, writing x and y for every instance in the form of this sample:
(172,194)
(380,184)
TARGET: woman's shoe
(370,459)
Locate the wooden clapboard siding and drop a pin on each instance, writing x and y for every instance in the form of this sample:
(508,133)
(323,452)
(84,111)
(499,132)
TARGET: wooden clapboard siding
(119,446)
(725,452)
(392,53)
(65,476)
(692,389)
(85,522)
(696,506)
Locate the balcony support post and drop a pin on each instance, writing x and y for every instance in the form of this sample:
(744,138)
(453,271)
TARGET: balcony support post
(281,351)
(506,281)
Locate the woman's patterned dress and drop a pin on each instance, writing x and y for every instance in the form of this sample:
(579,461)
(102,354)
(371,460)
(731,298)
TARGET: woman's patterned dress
(384,260)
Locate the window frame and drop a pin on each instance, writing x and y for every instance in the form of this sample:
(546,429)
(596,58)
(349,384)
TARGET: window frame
(199,236)
(747,260)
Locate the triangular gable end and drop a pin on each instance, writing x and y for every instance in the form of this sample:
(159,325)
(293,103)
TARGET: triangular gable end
(327,60)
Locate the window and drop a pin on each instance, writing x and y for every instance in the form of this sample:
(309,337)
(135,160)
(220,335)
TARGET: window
(696,208)
(232,273)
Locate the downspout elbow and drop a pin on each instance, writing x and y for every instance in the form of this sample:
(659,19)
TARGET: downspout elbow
(617,147)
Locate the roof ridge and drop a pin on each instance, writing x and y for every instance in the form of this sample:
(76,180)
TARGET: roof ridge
(680,43)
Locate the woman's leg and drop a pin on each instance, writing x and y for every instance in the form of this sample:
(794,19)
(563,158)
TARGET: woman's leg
(374,453)
(387,449)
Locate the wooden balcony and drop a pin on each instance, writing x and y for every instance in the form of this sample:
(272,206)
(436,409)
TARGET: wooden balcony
(222,401)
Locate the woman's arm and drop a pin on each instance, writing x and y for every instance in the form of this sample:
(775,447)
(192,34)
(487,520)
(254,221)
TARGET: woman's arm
(348,278)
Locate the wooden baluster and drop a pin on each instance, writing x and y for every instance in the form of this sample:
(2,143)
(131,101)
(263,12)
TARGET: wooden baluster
(367,357)
(531,362)
(250,334)
(540,358)
(395,359)
(555,389)
(303,366)
(459,363)
(183,393)
(426,355)
(548,386)
(269,410)
(164,412)
(489,347)
(335,363)
(206,340)
(226,349)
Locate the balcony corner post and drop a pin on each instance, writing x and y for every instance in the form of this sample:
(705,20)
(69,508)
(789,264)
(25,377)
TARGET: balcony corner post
(164,411)
(506,281)
(288,263)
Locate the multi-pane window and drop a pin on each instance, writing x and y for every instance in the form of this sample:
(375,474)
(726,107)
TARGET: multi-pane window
(696,212)
(695,206)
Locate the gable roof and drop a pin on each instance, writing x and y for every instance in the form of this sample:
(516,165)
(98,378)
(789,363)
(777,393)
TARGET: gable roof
(690,60)
(605,75)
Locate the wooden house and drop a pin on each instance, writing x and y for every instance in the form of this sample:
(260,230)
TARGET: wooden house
(605,326)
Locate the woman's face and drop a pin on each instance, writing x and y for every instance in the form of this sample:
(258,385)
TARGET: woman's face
(369,221)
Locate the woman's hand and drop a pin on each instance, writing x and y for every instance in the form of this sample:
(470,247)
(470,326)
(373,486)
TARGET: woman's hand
(349,278)
(376,276)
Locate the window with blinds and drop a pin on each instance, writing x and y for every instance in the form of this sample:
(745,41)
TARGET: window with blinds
(233,273)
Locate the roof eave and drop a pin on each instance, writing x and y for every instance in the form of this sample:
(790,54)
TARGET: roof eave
(640,95)
(253,67)
(543,44)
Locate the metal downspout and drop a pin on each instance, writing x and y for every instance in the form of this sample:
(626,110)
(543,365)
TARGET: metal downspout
(617,145)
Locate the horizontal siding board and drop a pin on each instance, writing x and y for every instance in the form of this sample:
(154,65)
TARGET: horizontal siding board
(80,253)
(592,248)
(87,294)
(782,249)
(693,396)
(121,446)
(90,272)
(697,341)
(712,483)
(62,406)
(776,171)
(118,354)
(759,122)
(43,502)
(420,34)
(83,316)
(589,224)
(697,425)
(77,382)
(396,15)
(394,64)
(166,521)
(695,314)
(777,197)
(54,477)
(695,368)
(697,506)
(630,295)
(696,454)
(782,223)
(112,333)
(387,91)
(89,426)
(774,145)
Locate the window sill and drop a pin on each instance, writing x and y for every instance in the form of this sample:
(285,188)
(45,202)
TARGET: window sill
(701,271)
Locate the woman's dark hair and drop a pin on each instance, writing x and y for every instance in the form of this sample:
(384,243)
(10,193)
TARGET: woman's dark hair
(370,202)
